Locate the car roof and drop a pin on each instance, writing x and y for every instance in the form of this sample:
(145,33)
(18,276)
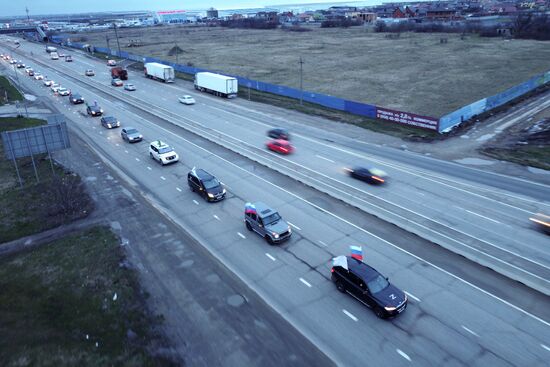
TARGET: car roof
(263,210)
(361,269)
(282,141)
(108,118)
(159,144)
(202,174)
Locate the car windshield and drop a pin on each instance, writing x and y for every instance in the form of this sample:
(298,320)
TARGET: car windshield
(132,131)
(377,284)
(110,119)
(271,219)
(210,184)
(165,150)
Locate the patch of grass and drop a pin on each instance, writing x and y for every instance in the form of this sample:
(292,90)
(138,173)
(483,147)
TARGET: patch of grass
(534,156)
(7,88)
(56,303)
(14,123)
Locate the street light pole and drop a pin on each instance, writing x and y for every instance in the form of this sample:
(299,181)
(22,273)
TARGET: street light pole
(17,78)
(117,40)
(301,81)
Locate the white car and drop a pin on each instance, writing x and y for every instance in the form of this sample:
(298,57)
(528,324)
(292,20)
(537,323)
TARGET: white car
(63,91)
(162,152)
(111,62)
(186,100)
(55,87)
(48,82)
(38,76)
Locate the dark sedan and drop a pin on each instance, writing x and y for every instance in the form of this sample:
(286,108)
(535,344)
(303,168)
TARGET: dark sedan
(76,98)
(279,133)
(110,122)
(368,286)
(371,175)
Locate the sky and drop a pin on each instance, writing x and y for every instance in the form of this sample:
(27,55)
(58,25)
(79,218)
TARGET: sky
(39,7)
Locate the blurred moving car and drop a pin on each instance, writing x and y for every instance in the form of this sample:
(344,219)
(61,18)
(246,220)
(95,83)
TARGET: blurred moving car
(54,87)
(188,100)
(131,135)
(76,98)
(370,175)
(111,62)
(63,91)
(94,109)
(20,65)
(279,133)
(68,58)
(368,286)
(117,83)
(110,122)
(542,221)
(38,76)
(129,86)
(48,82)
(30,72)
(89,72)
(280,146)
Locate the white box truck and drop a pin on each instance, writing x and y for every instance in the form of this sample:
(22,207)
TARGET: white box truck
(217,84)
(157,71)
(54,55)
(51,49)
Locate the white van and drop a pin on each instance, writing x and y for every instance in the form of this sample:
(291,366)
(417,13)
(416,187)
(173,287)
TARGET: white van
(54,55)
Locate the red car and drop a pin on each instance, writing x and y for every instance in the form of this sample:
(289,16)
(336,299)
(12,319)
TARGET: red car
(280,146)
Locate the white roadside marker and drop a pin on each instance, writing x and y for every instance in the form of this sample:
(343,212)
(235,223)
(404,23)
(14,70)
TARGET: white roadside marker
(241,235)
(271,257)
(305,282)
(411,296)
(470,331)
(295,226)
(403,354)
(348,314)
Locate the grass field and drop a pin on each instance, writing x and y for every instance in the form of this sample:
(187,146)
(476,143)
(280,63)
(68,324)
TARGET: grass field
(414,73)
(57,199)
(56,303)
(6,88)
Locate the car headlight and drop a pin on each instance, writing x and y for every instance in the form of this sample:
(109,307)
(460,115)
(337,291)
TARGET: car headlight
(141,136)
(289,230)
(224,191)
(276,235)
(109,126)
(210,195)
(390,308)
(101,110)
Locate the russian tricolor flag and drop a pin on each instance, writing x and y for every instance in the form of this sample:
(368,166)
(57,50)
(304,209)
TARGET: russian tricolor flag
(249,208)
(357,252)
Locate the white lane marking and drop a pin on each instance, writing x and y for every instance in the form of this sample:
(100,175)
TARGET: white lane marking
(137,159)
(125,151)
(101,133)
(196,202)
(149,168)
(108,138)
(482,216)
(305,282)
(322,243)
(470,331)
(411,296)
(403,354)
(163,178)
(216,217)
(271,257)
(241,235)
(117,144)
(545,347)
(93,127)
(326,159)
(349,314)
(295,226)
(177,188)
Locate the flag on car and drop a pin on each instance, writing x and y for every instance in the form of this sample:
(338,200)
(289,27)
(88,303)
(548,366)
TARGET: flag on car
(357,252)
(249,208)
(340,261)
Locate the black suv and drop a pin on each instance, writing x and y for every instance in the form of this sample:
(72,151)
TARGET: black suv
(279,133)
(368,286)
(206,185)
(94,109)
(76,98)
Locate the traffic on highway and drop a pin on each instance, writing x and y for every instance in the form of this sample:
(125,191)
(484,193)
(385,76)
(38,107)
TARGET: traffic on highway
(323,227)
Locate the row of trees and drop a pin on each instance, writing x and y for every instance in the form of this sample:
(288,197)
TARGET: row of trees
(527,26)
(251,23)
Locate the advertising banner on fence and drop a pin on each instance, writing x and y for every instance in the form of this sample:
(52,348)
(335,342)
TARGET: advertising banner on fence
(406,118)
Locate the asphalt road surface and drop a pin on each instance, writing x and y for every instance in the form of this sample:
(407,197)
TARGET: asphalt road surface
(460,313)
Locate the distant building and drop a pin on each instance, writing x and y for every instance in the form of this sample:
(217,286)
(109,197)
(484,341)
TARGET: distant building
(171,16)
(212,13)
(367,17)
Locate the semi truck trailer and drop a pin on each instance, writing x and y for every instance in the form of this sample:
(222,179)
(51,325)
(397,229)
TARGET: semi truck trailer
(217,84)
(51,49)
(157,71)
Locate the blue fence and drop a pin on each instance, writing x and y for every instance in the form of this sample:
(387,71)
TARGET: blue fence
(444,124)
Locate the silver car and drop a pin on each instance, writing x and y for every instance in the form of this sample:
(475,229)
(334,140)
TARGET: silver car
(131,135)
(266,222)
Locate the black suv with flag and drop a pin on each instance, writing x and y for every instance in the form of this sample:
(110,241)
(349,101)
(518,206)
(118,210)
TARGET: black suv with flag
(368,286)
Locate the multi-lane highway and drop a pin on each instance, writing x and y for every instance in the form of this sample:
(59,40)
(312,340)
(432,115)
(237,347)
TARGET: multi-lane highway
(459,313)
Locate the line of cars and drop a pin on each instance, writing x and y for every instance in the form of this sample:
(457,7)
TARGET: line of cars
(356,278)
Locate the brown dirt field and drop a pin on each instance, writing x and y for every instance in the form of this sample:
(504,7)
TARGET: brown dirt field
(414,73)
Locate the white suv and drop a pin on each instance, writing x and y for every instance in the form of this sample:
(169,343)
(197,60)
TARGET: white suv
(162,152)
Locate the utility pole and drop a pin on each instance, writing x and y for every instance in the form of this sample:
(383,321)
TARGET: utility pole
(177,52)
(117,40)
(107,40)
(301,81)
(28,18)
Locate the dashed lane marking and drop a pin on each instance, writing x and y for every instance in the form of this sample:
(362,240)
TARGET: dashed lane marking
(470,331)
(271,257)
(322,243)
(326,159)
(216,217)
(350,315)
(137,159)
(295,226)
(149,168)
(412,296)
(403,354)
(196,202)
(177,188)
(239,233)
(305,282)
(163,178)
